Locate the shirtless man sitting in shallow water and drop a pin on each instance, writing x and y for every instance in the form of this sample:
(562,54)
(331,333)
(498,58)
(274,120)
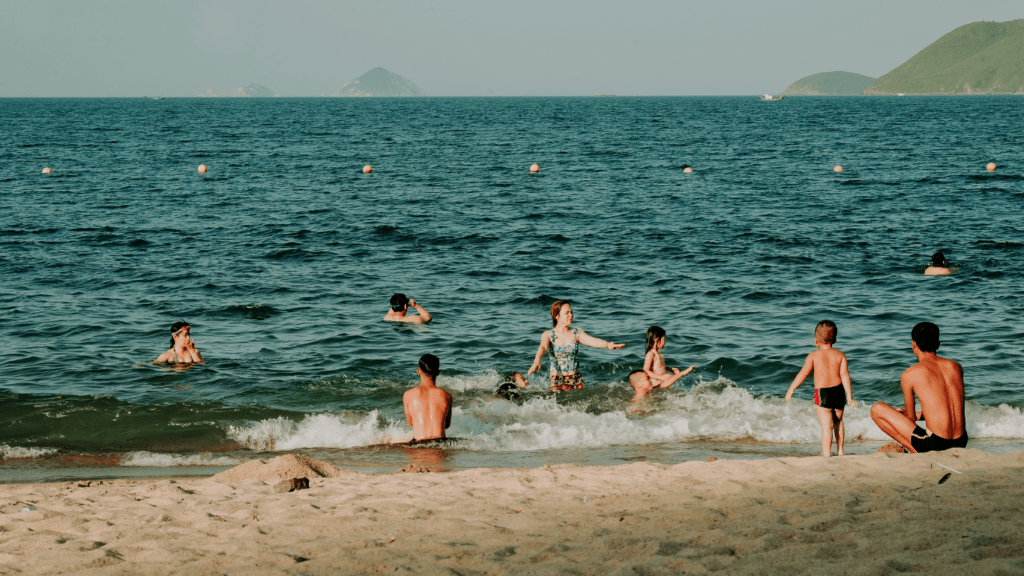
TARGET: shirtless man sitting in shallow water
(428,409)
(939,384)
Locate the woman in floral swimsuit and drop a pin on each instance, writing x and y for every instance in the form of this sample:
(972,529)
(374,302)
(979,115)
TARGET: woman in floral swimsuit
(562,343)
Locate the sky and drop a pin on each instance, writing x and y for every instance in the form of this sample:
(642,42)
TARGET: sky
(98,48)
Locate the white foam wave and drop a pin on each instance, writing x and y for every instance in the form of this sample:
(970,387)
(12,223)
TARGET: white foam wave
(712,411)
(321,431)
(153,459)
(23,452)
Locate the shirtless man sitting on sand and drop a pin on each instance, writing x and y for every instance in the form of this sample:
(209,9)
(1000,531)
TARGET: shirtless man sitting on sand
(428,409)
(939,385)
(400,308)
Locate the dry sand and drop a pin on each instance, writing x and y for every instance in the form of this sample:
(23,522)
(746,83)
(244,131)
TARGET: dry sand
(873,515)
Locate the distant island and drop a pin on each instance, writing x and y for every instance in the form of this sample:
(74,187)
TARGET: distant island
(978,58)
(830,84)
(250,91)
(379,83)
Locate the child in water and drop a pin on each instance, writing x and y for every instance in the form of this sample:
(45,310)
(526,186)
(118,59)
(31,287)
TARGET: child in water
(654,362)
(832,390)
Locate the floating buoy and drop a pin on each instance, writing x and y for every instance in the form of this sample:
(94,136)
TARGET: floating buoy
(687,169)
(534,168)
(367,169)
(46,170)
(990,167)
(837,169)
(202,168)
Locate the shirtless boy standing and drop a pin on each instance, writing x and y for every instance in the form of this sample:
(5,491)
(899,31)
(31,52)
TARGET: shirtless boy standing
(832,389)
(938,384)
(428,409)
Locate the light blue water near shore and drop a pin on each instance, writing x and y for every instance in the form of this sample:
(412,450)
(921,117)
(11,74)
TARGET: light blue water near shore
(283,256)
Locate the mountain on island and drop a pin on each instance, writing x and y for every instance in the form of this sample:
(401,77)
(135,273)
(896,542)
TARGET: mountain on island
(830,84)
(379,83)
(250,91)
(978,58)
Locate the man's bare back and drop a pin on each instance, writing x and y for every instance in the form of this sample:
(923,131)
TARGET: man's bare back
(428,409)
(938,384)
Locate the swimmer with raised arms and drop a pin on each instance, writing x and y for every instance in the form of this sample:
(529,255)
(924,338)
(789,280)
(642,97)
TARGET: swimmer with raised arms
(832,388)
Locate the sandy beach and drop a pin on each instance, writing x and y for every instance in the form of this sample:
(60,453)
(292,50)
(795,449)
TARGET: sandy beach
(876,514)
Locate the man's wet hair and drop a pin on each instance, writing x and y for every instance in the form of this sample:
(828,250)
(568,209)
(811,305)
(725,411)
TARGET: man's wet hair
(399,302)
(938,259)
(826,331)
(926,335)
(430,365)
(636,374)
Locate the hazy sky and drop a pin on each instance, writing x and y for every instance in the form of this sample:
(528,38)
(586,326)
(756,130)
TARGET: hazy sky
(463,48)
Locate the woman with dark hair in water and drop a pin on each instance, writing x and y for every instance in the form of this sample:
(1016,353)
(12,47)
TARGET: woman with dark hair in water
(563,342)
(183,348)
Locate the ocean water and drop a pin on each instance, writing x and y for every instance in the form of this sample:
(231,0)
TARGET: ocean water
(284,255)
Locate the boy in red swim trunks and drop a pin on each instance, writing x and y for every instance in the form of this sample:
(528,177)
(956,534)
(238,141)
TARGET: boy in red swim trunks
(832,391)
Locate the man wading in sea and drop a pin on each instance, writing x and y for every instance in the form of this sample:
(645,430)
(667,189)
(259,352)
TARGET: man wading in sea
(428,409)
(939,385)
(400,308)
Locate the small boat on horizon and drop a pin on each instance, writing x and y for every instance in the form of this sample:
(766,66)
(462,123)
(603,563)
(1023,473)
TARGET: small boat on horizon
(768,97)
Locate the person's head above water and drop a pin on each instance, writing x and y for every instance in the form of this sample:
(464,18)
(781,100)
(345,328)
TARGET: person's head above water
(515,378)
(826,332)
(926,336)
(178,328)
(654,333)
(430,365)
(939,260)
(556,311)
(399,302)
(639,379)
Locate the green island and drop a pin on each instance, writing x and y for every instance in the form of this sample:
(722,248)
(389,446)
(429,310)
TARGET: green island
(978,58)
(830,84)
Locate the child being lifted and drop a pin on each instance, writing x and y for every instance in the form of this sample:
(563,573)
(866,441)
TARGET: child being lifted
(832,391)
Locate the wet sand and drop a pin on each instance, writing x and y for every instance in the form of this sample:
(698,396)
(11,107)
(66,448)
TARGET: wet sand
(873,514)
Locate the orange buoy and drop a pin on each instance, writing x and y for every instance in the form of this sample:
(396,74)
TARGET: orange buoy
(991,166)
(687,169)
(202,168)
(837,169)
(534,168)
(367,169)
(46,170)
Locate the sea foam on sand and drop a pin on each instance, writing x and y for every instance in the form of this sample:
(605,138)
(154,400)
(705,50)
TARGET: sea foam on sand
(956,512)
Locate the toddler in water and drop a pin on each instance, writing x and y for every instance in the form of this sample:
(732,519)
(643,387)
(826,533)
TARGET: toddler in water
(832,391)
(654,362)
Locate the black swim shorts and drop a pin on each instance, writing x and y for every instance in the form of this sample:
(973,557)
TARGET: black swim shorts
(833,398)
(924,441)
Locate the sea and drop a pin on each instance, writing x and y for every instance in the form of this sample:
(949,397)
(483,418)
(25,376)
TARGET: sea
(283,257)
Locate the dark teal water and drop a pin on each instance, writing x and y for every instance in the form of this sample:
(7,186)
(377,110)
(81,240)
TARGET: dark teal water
(283,257)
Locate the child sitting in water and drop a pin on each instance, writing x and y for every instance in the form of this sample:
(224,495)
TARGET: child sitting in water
(832,391)
(508,389)
(654,362)
(642,383)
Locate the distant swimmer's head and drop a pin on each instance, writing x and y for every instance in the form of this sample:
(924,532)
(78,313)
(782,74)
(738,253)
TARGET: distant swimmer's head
(430,365)
(399,302)
(560,308)
(639,379)
(515,378)
(654,333)
(938,260)
(177,329)
(826,332)
(926,336)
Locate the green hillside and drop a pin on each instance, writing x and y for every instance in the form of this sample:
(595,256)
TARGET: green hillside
(979,58)
(830,84)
